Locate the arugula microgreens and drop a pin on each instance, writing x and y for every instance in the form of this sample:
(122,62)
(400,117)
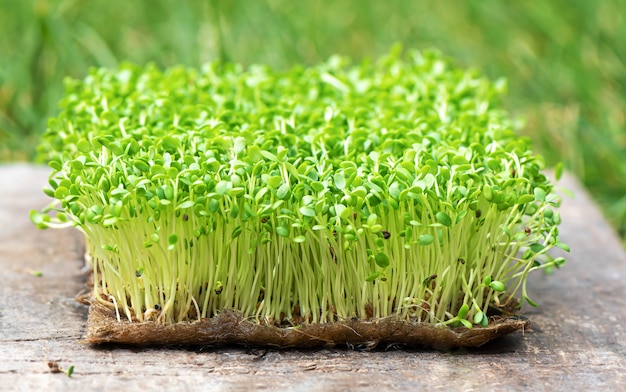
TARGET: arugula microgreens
(390,188)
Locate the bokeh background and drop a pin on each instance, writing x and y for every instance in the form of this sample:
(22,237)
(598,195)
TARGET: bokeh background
(565,59)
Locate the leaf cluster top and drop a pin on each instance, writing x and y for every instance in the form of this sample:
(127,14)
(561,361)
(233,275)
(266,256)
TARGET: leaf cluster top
(332,140)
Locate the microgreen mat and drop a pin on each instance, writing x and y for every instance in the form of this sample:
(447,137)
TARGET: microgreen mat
(339,191)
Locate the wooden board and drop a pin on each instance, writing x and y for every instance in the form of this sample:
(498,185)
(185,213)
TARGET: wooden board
(577,340)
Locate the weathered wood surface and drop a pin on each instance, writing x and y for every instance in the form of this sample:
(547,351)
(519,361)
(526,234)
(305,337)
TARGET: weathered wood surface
(577,341)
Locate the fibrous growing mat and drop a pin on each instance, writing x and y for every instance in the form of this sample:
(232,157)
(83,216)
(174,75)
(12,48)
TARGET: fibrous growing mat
(385,202)
(229,327)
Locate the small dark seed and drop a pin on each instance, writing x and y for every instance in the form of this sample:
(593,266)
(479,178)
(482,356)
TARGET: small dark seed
(185,217)
(462,261)
(157,307)
(430,279)
(54,367)
(138,274)
(354,215)
(478,213)
(386,234)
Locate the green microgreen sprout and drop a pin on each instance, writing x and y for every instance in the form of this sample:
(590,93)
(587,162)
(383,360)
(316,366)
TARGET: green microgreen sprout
(395,188)
(35,273)
(54,367)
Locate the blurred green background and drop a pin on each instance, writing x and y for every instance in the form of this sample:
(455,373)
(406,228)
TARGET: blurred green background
(565,59)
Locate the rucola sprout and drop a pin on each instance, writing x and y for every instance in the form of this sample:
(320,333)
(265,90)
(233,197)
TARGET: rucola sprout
(390,188)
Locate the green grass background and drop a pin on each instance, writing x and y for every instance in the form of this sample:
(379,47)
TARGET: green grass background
(565,59)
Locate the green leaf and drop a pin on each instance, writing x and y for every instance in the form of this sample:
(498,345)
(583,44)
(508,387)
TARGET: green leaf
(425,239)
(376,228)
(460,215)
(307,211)
(282,231)
(372,219)
(172,172)
(185,204)
(558,171)
(172,239)
(36,217)
(234,211)
(236,232)
(268,155)
(77,165)
(236,191)
(214,205)
(222,187)
(282,191)
(429,181)
(299,239)
(524,199)
(109,221)
(466,323)
(170,144)
(254,153)
(371,277)
(382,260)
(262,192)
(83,146)
(540,194)
(169,192)
(340,181)
(548,213)
(339,209)
(463,310)
(239,144)
(563,246)
(61,192)
(487,193)
(497,285)
(317,186)
(274,181)
(55,165)
(537,248)
(443,218)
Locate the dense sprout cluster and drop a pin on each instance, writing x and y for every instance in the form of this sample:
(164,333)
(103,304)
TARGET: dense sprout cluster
(389,188)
